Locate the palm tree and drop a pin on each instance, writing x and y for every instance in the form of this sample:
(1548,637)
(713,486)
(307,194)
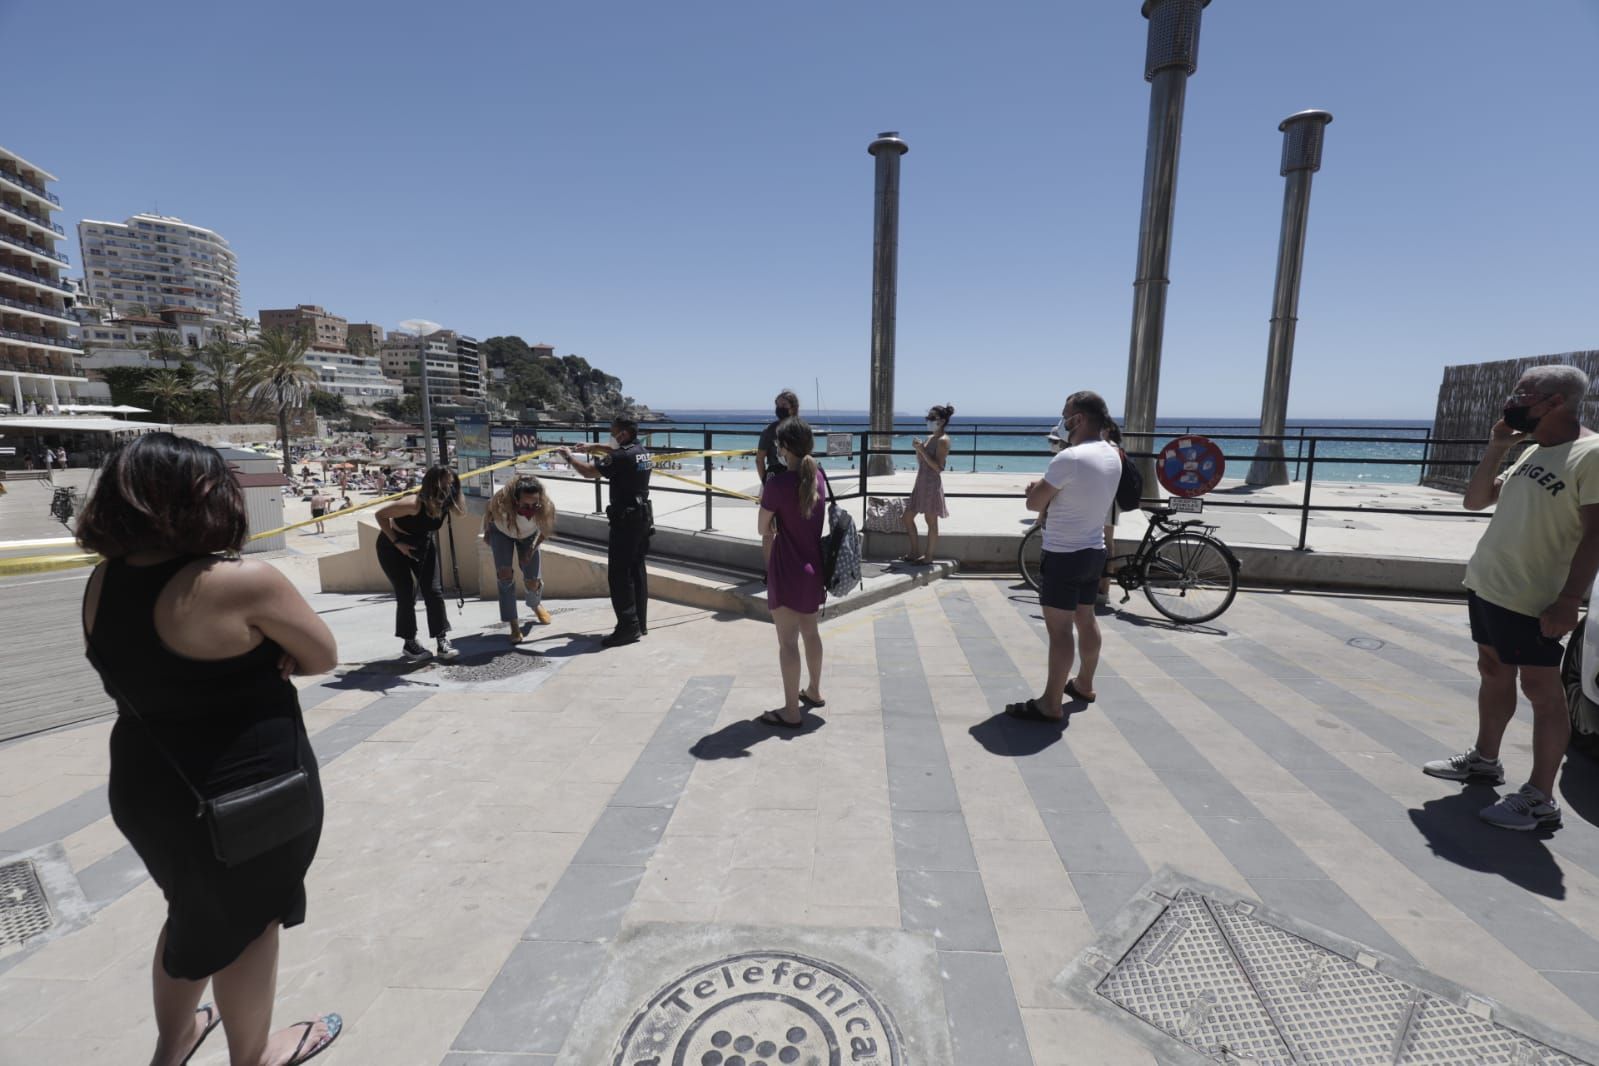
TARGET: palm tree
(164,345)
(222,365)
(244,327)
(278,370)
(166,391)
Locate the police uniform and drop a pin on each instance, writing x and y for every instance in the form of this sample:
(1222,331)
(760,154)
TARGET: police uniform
(632,522)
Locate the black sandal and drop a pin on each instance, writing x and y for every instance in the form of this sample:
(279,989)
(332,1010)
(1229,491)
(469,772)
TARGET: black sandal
(775,718)
(808,702)
(301,1054)
(1075,693)
(1031,712)
(213,1019)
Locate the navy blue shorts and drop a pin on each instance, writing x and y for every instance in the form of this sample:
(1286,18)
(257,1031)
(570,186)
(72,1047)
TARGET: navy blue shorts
(1513,636)
(1071,578)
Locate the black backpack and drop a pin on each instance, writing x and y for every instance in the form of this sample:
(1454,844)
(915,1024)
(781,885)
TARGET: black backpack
(1130,491)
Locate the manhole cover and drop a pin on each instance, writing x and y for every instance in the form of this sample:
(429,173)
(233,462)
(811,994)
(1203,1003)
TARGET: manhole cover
(24,911)
(761,1009)
(494,668)
(1367,643)
(1216,978)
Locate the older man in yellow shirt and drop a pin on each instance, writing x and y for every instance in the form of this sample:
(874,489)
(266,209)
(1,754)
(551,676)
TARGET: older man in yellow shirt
(1526,580)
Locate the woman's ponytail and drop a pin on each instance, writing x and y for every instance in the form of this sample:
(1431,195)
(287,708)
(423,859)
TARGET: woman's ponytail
(807,485)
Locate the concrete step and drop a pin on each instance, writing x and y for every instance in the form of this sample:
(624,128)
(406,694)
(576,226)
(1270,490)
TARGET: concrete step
(578,568)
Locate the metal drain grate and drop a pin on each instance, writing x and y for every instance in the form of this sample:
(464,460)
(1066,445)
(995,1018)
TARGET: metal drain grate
(24,910)
(1222,979)
(495,668)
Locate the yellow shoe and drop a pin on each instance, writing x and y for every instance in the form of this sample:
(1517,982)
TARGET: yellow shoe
(542,615)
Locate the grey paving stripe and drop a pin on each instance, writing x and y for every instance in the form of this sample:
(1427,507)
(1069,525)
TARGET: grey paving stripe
(528,1009)
(1578,842)
(940,890)
(82,811)
(1456,640)
(1337,630)
(1506,905)
(1275,867)
(1086,835)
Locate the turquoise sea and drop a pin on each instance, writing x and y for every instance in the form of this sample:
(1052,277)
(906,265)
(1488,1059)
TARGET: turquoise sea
(971,437)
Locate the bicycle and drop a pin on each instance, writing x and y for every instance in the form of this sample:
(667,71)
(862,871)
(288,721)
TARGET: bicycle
(63,503)
(1189,575)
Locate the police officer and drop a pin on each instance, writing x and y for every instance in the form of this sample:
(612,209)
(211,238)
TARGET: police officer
(626,465)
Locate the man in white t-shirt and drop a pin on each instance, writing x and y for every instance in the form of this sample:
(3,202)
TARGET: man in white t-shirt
(1526,579)
(1074,496)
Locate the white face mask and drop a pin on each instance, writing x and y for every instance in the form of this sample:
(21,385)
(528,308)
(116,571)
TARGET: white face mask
(615,441)
(933,425)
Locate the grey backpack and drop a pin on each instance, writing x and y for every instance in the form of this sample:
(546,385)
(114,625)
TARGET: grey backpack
(841,550)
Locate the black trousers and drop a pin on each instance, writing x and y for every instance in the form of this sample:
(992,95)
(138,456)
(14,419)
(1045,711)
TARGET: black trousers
(409,575)
(624,559)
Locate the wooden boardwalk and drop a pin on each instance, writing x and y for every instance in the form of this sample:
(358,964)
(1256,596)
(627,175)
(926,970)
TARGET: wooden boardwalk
(44,679)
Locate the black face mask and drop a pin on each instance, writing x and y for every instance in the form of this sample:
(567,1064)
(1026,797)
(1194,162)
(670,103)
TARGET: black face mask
(1519,420)
(782,412)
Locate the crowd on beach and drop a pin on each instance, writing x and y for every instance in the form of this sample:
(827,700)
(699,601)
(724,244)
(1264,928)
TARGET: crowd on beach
(209,721)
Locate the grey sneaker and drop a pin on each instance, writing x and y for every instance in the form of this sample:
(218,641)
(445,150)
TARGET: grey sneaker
(1467,766)
(414,652)
(447,650)
(1524,810)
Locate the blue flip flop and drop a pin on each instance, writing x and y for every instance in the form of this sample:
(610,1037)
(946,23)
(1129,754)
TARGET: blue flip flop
(302,1053)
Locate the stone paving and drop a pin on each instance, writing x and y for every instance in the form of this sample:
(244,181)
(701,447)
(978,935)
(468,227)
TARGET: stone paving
(507,876)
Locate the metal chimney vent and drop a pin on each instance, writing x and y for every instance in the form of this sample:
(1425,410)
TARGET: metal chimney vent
(1173,35)
(1303,135)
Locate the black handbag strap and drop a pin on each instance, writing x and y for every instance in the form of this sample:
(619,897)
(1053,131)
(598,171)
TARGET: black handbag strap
(116,690)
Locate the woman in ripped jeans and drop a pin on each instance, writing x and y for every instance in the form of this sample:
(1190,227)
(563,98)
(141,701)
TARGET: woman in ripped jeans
(520,517)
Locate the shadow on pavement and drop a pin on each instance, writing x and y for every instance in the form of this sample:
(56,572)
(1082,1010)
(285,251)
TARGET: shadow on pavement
(1454,832)
(1013,738)
(1579,786)
(1123,615)
(734,740)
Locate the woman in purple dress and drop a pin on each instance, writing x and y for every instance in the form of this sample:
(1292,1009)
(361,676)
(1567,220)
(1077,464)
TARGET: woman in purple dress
(927,495)
(791,539)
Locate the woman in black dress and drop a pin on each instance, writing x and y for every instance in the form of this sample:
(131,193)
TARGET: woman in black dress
(408,551)
(197,646)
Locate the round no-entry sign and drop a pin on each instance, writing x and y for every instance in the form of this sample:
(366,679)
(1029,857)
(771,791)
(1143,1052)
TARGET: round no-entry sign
(1190,466)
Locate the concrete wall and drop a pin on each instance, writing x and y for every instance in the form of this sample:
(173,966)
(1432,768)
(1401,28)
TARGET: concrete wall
(236,433)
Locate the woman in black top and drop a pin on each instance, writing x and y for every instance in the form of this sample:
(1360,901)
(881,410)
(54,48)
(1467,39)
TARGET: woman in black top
(408,551)
(203,645)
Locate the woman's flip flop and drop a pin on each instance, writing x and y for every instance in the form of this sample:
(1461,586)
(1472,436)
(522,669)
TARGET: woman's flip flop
(213,1019)
(1077,694)
(1031,712)
(807,701)
(302,1053)
(773,718)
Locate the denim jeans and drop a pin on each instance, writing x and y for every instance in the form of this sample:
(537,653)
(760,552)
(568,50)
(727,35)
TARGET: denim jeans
(527,555)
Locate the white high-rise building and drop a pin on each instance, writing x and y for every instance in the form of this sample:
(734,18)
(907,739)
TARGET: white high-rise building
(36,347)
(155,262)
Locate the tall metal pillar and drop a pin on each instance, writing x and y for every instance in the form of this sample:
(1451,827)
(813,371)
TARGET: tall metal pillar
(1172,55)
(885,285)
(1303,134)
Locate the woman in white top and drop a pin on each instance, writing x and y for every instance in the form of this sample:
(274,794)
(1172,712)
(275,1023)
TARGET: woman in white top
(519,518)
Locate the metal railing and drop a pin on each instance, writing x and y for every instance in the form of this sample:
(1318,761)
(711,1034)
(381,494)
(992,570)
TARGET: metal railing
(38,220)
(11,365)
(41,309)
(23,183)
(28,275)
(36,249)
(1315,454)
(40,338)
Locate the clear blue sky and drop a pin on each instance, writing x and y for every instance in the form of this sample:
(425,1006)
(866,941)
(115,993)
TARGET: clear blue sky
(681,192)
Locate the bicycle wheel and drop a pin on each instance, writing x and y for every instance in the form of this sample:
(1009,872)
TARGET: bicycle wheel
(1030,556)
(1190,578)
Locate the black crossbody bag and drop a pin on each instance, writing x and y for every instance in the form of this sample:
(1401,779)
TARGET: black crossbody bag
(249,821)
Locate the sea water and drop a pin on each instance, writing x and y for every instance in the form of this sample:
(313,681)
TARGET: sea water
(973,440)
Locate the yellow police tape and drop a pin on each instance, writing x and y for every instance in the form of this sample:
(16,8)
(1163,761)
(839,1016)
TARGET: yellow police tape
(41,564)
(703,485)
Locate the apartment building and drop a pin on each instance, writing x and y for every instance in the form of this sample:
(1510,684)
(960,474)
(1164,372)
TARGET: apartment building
(151,262)
(403,354)
(321,330)
(37,368)
(119,341)
(363,337)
